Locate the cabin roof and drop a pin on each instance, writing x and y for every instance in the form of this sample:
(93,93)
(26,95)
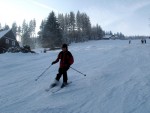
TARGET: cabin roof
(3,32)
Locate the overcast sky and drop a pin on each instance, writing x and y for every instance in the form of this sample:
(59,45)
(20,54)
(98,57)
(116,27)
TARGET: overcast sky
(131,17)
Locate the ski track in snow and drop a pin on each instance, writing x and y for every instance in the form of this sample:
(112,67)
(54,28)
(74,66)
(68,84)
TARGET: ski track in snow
(117,81)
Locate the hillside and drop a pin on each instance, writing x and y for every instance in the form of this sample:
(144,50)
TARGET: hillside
(117,81)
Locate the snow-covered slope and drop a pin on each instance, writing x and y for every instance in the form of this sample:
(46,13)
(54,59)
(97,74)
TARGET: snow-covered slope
(117,81)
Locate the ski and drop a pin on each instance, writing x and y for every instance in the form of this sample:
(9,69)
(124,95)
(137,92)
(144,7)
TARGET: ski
(51,87)
(54,90)
(60,88)
(48,89)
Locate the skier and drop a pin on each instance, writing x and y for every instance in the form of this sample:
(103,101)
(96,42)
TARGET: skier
(66,59)
(129,41)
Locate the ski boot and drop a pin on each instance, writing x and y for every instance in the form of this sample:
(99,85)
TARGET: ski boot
(64,84)
(55,83)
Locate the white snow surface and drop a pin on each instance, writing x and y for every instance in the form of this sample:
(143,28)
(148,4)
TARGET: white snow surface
(117,81)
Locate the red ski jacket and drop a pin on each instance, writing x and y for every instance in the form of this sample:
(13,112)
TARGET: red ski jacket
(66,59)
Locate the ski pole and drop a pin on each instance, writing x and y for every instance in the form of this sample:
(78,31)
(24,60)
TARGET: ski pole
(78,71)
(42,73)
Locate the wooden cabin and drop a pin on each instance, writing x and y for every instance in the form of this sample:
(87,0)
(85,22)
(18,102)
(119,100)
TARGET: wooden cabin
(7,40)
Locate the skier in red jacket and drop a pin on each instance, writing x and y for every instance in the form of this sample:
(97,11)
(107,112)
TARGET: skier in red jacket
(66,59)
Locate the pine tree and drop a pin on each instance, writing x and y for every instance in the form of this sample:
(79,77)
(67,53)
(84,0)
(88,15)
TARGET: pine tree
(61,21)
(14,28)
(63,26)
(25,35)
(86,27)
(32,26)
(40,33)
(52,35)
(79,28)
(6,27)
(72,21)
(78,21)
(99,32)
(72,26)
(19,33)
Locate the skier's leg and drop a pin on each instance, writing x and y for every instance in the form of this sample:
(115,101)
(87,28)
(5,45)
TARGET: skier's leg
(56,81)
(65,77)
(59,74)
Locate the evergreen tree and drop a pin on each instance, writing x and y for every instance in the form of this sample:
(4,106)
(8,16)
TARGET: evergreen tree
(72,26)
(25,34)
(19,30)
(19,33)
(52,35)
(14,28)
(40,33)
(30,29)
(78,21)
(32,26)
(72,21)
(64,23)
(100,32)
(86,26)
(78,26)
(120,36)
(66,33)
(6,27)
(61,21)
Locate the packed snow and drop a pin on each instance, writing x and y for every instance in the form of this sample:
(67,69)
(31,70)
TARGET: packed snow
(117,81)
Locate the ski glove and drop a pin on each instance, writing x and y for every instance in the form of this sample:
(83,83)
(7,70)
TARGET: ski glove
(53,63)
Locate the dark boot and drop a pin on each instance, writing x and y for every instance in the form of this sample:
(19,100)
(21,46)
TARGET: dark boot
(64,84)
(55,83)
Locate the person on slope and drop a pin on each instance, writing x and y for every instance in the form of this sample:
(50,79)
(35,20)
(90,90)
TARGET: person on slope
(66,59)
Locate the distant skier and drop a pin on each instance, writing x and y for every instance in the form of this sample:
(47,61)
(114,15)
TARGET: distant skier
(145,41)
(66,59)
(129,41)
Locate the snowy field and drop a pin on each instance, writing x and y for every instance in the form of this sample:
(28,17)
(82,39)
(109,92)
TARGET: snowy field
(117,81)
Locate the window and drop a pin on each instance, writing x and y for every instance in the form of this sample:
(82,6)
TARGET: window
(13,43)
(7,41)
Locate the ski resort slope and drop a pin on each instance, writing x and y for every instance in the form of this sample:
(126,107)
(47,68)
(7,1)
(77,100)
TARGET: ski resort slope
(117,81)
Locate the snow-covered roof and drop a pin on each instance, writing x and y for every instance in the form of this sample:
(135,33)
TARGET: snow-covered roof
(107,36)
(2,33)
(110,37)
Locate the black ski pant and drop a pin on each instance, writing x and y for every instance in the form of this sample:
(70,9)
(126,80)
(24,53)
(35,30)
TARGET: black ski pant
(62,71)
